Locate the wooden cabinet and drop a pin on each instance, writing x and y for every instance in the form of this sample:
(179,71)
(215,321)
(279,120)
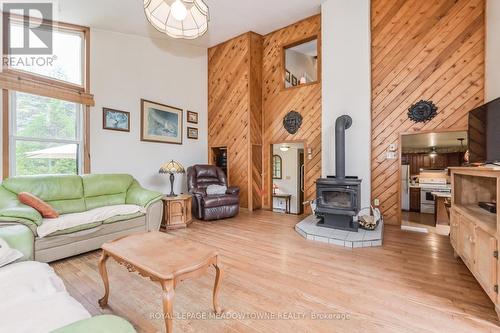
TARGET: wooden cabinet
(466,241)
(415,199)
(177,212)
(486,262)
(424,161)
(473,230)
(454,228)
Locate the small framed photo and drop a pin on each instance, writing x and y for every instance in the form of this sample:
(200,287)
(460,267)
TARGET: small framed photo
(294,81)
(192,133)
(115,120)
(287,76)
(192,117)
(160,123)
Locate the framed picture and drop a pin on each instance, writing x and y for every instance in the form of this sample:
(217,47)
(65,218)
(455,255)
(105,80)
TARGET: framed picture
(160,123)
(192,117)
(115,120)
(287,76)
(192,133)
(294,81)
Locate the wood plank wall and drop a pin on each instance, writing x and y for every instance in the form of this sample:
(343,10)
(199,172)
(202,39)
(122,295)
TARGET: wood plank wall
(235,109)
(277,102)
(421,50)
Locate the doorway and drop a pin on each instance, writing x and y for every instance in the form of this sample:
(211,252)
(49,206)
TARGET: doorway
(287,170)
(425,188)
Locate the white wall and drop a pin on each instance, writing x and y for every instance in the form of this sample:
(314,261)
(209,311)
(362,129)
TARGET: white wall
(289,182)
(492,49)
(346,79)
(126,68)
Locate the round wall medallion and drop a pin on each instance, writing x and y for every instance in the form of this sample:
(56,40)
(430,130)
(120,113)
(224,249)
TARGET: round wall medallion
(422,111)
(292,122)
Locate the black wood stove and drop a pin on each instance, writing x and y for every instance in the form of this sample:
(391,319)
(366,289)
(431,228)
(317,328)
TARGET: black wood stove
(339,197)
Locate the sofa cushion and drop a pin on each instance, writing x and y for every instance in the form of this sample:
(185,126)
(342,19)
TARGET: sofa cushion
(220,200)
(67,221)
(32,288)
(96,185)
(105,200)
(105,190)
(47,187)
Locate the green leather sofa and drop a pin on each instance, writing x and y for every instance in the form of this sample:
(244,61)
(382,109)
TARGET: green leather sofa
(76,194)
(21,238)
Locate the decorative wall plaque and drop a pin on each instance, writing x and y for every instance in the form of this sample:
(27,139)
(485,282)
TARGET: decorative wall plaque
(422,111)
(292,122)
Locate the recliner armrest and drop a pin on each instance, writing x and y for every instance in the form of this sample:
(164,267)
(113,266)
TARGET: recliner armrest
(199,192)
(233,190)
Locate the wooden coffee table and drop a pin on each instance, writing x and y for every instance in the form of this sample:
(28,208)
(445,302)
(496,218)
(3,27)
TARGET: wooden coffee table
(163,259)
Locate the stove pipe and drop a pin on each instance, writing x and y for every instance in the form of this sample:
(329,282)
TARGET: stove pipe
(341,124)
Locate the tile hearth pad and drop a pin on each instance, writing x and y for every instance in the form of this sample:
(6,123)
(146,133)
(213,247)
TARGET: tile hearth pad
(308,229)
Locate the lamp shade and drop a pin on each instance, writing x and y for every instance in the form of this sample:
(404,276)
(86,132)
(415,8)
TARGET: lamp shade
(187,19)
(172,167)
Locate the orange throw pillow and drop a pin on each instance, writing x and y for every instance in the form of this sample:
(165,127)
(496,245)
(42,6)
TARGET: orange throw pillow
(33,201)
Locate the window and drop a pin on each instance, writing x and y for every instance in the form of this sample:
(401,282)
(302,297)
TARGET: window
(65,64)
(48,100)
(277,167)
(46,135)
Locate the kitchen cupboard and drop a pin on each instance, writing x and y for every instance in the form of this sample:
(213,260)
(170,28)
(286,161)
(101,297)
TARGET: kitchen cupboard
(414,199)
(424,161)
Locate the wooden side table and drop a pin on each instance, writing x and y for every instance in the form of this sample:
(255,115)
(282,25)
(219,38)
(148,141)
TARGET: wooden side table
(177,212)
(287,198)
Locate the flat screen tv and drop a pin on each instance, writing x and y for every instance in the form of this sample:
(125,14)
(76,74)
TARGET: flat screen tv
(484,133)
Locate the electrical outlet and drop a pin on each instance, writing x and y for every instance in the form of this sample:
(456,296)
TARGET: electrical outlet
(393,147)
(376,202)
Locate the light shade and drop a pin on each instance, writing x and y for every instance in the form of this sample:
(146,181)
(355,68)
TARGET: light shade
(284,147)
(194,25)
(172,167)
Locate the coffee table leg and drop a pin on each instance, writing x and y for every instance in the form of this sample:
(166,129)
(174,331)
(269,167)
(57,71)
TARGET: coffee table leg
(168,303)
(218,278)
(104,275)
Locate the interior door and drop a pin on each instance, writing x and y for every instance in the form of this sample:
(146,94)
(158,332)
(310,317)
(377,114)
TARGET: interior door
(301,182)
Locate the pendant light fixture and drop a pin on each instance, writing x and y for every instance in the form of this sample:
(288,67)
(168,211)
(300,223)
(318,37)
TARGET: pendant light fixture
(433,152)
(186,19)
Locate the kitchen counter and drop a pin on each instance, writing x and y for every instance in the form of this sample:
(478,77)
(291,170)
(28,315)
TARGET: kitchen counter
(441,195)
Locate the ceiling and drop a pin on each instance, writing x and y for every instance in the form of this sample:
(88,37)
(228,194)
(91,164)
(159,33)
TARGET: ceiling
(438,140)
(228,18)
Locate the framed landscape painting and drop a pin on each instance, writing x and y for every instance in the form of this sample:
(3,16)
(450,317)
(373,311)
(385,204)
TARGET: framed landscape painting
(160,123)
(115,120)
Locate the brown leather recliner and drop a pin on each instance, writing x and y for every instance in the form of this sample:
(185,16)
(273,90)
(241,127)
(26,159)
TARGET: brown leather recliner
(211,207)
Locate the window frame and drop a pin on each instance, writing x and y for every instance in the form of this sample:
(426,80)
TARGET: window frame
(36,84)
(14,138)
(280,169)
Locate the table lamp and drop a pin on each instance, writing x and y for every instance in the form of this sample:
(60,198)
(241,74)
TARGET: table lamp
(172,168)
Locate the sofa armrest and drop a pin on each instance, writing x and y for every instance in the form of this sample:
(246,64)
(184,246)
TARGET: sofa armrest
(99,324)
(13,210)
(19,237)
(154,214)
(137,195)
(233,190)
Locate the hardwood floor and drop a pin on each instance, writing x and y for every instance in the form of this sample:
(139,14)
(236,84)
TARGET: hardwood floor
(411,284)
